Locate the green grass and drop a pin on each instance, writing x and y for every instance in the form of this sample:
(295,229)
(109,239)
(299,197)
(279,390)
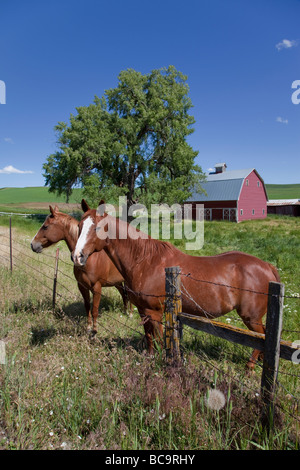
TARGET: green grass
(12,199)
(61,390)
(34,200)
(34,194)
(283,191)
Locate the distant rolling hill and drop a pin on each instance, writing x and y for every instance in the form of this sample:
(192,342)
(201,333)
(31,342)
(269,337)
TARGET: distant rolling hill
(283,191)
(34,194)
(36,198)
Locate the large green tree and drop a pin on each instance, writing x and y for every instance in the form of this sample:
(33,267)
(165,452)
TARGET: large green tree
(132,141)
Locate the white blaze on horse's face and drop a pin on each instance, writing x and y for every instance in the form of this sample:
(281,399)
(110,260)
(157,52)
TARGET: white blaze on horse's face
(78,257)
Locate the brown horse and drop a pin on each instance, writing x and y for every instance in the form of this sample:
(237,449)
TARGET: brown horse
(98,272)
(211,285)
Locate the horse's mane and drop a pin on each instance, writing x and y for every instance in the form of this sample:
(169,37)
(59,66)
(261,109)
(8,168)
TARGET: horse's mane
(70,223)
(151,247)
(147,247)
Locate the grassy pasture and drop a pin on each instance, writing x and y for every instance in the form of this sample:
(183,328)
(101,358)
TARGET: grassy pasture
(37,199)
(34,194)
(61,390)
(283,191)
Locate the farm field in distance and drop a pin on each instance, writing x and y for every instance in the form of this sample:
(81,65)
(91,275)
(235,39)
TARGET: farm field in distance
(61,390)
(37,199)
(283,191)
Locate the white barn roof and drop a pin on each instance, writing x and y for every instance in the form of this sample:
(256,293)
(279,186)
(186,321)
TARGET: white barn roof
(224,186)
(284,202)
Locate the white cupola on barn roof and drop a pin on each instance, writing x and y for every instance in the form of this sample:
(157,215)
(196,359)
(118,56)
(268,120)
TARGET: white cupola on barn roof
(220,167)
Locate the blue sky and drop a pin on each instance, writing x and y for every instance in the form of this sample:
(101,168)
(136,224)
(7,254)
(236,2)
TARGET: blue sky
(241,58)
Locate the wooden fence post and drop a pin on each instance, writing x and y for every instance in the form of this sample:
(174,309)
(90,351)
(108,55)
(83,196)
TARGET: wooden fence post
(55,278)
(173,326)
(271,351)
(10,246)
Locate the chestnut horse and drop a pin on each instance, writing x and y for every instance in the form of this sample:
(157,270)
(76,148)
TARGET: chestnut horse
(98,272)
(211,285)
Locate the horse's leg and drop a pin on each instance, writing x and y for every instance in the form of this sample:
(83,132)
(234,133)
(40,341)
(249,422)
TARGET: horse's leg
(258,328)
(130,308)
(126,301)
(254,323)
(87,303)
(124,296)
(152,321)
(97,289)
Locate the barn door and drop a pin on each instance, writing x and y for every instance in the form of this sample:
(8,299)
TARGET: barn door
(229,214)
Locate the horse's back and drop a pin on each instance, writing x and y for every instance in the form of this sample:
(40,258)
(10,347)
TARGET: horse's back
(233,268)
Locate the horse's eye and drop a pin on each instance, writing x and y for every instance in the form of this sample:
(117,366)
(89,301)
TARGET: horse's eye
(45,227)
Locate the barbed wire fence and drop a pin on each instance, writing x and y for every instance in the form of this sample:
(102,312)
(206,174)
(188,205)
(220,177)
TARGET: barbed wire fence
(12,252)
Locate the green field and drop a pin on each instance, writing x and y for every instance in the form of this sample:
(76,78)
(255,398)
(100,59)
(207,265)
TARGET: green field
(283,191)
(16,199)
(35,194)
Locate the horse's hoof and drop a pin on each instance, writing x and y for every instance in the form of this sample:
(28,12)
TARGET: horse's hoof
(249,369)
(93,334)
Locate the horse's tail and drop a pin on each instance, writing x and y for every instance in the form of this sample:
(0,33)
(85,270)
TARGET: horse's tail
(275,272)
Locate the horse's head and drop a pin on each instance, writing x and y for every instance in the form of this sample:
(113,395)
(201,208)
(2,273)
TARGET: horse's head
(50,232)
(89,239)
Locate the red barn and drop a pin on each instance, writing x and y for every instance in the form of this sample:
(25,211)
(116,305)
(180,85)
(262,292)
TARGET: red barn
(234,195)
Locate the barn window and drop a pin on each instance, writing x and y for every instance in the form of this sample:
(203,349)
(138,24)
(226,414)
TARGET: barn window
(253,211)
(247,182)
(258,185)
(241,211)
(263,211)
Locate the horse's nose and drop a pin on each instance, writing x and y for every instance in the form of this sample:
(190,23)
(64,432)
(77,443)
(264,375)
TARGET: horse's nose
(36,247)
(72,256)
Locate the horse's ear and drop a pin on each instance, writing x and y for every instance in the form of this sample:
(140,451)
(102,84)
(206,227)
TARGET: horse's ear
(101,208)
(84,205)
(53,211)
